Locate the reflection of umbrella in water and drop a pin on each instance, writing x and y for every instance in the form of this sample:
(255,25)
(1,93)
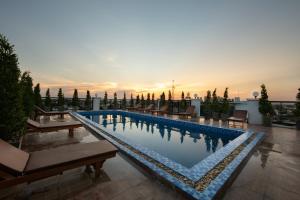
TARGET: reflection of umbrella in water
(196,136)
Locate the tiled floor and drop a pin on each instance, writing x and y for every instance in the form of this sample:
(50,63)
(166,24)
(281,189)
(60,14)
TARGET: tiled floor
(272,172)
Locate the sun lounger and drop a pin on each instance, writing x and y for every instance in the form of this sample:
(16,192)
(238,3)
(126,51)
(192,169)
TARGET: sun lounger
(40,111)
(35,126)
(162,110)
(17,166)
(239,116)
(136,107)
(190,111)
(147,109)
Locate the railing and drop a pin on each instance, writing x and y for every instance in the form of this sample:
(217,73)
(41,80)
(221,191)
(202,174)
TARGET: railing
(175,106)
(284,112)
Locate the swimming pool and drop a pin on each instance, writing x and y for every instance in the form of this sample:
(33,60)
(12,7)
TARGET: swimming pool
(197,159)
(185,145)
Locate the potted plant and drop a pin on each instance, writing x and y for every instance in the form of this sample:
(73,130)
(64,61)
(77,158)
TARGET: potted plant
(225,106)
(297,111)
(265,107)
(207,106)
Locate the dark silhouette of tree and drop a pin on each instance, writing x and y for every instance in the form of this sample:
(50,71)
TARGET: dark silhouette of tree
(207,105)
(162,99)
(297,111)
(37,95)
(75,99)
(124,101)
(60,100)
(27,94)
(142,101)
(215,103)
(182,102)
(131,100)
(88,101)
(148,101)
(265,107)
(48,101)
(225,102)
(137,101)
(105,98)
(115,102)
(12,119)
(153,100)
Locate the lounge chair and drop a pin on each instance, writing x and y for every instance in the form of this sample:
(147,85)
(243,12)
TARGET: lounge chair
(34,126)
(136,107)
(239,116)
(190,111)
(162,110)
(17,166)
(40,111)
(147,109)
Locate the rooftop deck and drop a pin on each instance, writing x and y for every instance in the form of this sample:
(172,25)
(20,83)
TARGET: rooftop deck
(272,172)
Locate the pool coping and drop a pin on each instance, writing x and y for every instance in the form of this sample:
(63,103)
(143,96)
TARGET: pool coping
(197,171)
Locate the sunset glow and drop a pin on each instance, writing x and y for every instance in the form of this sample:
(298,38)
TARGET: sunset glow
(138,47)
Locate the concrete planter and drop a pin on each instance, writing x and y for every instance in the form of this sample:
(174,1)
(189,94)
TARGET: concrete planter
(267,121)
(298,124)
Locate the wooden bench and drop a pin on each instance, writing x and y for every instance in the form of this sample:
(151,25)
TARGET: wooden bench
(17,166)
(240,116)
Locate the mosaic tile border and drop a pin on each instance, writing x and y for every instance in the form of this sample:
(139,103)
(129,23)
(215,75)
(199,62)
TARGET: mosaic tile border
(188,177)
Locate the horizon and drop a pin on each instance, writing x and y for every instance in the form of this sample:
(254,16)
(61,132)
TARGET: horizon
(140,47)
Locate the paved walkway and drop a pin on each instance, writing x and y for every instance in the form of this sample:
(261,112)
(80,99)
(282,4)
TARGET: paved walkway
(272,172)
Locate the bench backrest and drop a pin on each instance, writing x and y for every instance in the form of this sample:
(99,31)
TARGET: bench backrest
(12,158)
(243,114)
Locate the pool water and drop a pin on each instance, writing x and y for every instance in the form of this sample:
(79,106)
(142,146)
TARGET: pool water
(186,146)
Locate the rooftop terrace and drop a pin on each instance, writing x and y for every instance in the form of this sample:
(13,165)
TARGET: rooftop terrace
(272,172)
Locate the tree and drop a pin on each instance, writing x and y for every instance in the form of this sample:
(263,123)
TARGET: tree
(105,98)
(124,101)
(162,99)
(88,101)
(12,119)
(207,105)
(153,99)
(215,102)
(297,110)
(225,102)
(37,95)
(75,99)
(142,101)
(27,93)
(60,100)
(265,106)
(48,102)
(137,101)
(183,101)
(148,100)
(131,100)
(115,100)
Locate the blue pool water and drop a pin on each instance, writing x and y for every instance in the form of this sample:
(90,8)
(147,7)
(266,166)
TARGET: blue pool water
(187,146)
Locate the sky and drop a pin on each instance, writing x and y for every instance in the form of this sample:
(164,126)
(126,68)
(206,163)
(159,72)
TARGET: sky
(141,46)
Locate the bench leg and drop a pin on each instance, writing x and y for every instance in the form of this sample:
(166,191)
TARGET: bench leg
(98,166)
(71,132)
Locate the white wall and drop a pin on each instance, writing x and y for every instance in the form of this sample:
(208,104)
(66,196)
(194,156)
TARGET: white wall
(197,104)
(251,105)
(96,103)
